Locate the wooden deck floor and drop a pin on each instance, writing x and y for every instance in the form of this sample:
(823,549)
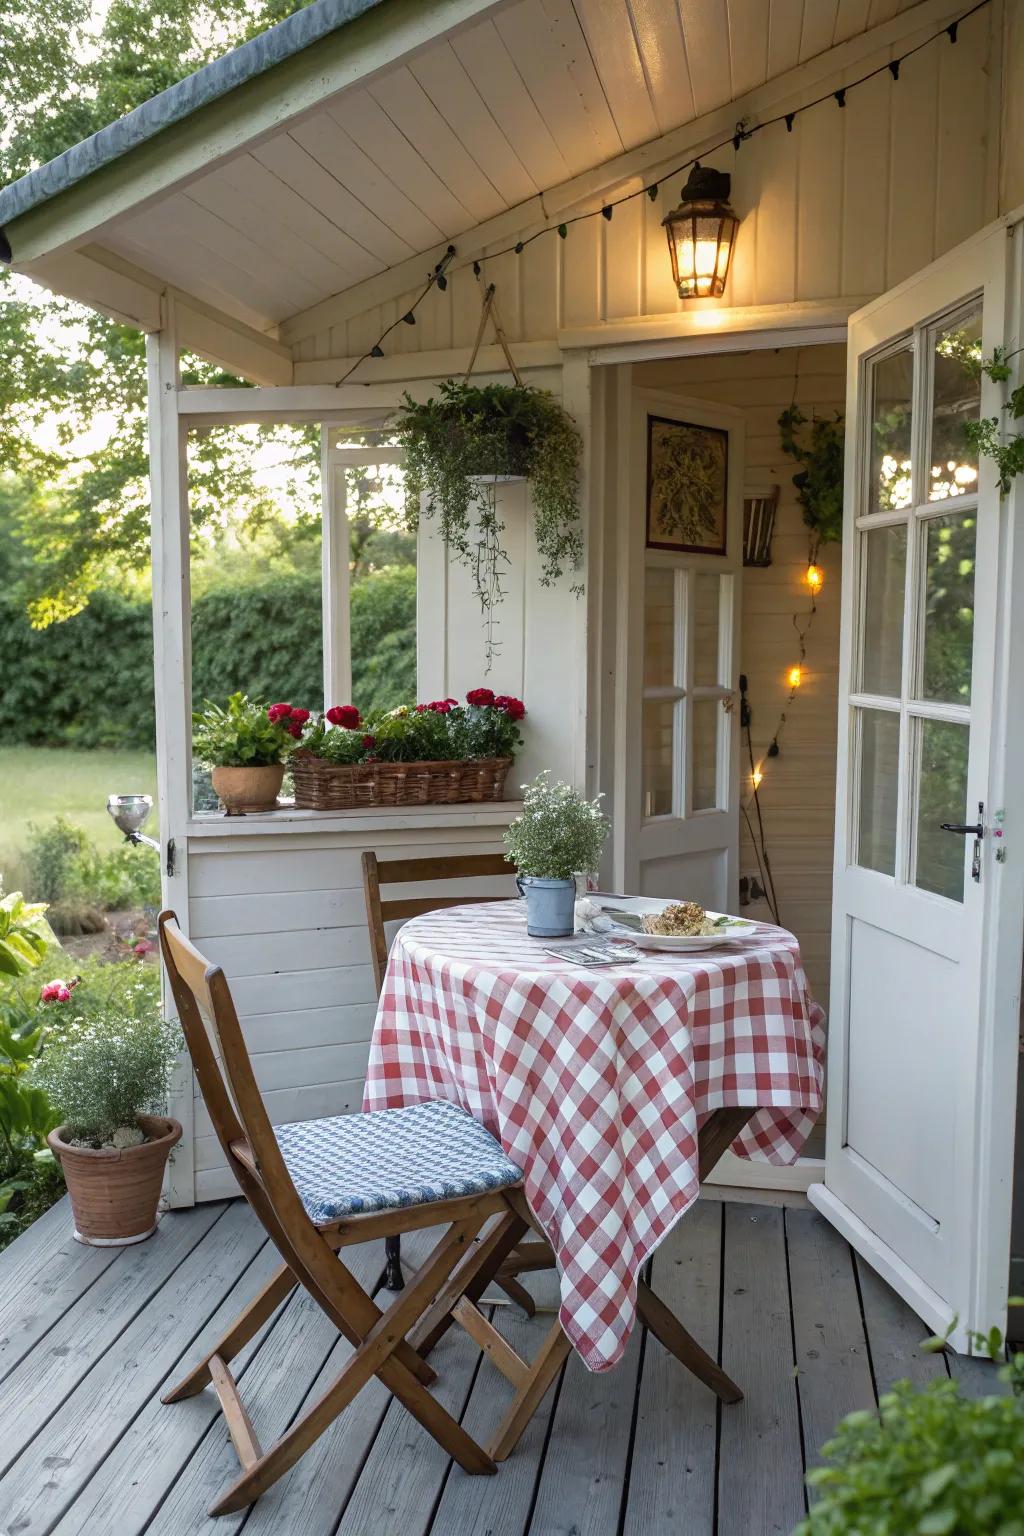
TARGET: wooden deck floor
(88,1337)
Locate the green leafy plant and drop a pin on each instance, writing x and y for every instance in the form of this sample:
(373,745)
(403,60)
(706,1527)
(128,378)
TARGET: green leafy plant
(241,734)
(26,1116)
(100,1074)
(987,435)
(557,832)
(819,484)
(410,735)
(930,1462)
(457,446)
(65,868)
(25,934)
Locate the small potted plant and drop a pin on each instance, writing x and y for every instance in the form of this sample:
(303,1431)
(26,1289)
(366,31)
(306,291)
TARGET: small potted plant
(246,745)
(107,1078)
(557,833)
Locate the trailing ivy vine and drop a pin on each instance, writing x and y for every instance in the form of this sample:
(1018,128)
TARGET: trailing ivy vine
(985,435)
(819,484)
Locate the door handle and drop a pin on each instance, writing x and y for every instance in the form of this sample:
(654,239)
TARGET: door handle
(977,830)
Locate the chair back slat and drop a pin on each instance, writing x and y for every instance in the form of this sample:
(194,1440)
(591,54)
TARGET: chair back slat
(381,872)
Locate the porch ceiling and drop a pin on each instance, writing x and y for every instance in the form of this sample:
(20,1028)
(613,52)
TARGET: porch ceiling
(518,99)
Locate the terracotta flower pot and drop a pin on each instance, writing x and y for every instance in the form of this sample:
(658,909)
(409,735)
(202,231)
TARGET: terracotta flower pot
(248,789)
(114,1191)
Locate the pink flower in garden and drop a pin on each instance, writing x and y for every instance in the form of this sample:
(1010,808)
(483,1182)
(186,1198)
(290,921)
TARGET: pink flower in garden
(143,948)
(55,992)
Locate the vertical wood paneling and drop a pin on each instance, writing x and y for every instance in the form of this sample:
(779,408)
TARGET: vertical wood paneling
(819,145)
(623,251)
(659,33)
(913,148)
(659,292)
(866,188)
(776,167)
(539,287)
(581,274)
(963,123)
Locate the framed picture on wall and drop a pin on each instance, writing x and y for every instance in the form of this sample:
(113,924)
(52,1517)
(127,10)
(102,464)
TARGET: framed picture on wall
(687,486)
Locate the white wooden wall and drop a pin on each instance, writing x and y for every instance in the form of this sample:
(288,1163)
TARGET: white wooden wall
(848,204)
(282,911)
(798,791)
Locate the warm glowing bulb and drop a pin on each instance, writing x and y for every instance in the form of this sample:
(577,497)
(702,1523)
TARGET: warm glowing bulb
(756,777)
(815,578)
(794,677)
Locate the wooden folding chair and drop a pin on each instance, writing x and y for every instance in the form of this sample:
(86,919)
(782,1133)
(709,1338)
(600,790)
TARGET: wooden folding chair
(385,872)
(532,1380)
(360,1177)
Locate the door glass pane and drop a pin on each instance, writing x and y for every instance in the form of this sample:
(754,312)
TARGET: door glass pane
(879,760)
(949,608)
(956,400)
(941,796)
(892,377)
(659,627)
(706,715)
(657,757)
(705,628)
(885,573)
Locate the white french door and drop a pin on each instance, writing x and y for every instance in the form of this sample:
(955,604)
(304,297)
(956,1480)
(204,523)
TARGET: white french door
(680,792)
(926,961)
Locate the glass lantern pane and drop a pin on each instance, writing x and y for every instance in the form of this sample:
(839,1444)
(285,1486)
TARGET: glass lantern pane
(659,627)
(941,796)
(892,380)
(949,609)
(706,601)
(658,767)
(879,762)
(884,554)
(706,715)
(956,400)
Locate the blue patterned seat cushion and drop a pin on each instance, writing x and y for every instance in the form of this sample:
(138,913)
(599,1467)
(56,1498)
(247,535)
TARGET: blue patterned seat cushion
(391,1158)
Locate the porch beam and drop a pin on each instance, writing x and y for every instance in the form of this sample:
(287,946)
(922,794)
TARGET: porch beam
(625,172)
(713,330)
(172,667)
(375,42)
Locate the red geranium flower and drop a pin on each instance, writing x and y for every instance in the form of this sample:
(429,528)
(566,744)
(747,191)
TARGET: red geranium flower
(442,706)
(514,708)
(54,992)
(421,707)
(481,697)
(300,716)
(278,711)
(369,741)
(344,714)
(294,729)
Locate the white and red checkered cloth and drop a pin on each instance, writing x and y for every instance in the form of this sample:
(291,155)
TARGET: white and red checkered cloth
(596,1081)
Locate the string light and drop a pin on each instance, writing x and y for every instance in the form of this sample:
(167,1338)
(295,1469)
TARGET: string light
(756,777)
(742,131)
(794,677)
(815,578)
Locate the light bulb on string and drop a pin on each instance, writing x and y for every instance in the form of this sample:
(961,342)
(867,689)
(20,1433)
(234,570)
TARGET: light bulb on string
(815,578)
(756,777)
(794,677)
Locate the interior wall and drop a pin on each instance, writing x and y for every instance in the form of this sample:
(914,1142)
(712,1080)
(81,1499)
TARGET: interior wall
(798,790)
(849,203)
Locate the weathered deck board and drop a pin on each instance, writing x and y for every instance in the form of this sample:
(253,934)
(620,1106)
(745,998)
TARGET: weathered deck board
(672,1480)
(760,1468)
(631,1451)
(833,1371)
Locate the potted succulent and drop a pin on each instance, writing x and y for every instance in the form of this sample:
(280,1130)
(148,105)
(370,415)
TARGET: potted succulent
(557,833)
(246,745)
(107,1079)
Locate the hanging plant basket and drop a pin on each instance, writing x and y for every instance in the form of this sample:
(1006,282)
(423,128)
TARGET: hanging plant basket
(468,440)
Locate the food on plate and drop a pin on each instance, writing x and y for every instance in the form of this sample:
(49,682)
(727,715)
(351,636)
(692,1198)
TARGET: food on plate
(680,919)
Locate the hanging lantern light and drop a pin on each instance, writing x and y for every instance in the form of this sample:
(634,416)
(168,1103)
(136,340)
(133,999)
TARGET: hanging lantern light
(701,233)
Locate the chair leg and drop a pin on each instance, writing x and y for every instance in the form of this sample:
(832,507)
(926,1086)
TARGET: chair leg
(517,1293)
(394,1280)
(551,1357)
(667,1328)
(375,1355)
(245,1327)
(490,1253)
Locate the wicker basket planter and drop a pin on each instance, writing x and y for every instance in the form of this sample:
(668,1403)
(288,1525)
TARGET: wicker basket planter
(114,1192)
(323,786)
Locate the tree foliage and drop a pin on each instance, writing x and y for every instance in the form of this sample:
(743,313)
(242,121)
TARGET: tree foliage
(72,383)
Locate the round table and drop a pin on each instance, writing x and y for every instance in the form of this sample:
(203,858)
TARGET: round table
(597,1081)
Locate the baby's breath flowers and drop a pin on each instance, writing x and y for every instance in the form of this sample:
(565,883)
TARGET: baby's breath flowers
(558,832)
(100,1074)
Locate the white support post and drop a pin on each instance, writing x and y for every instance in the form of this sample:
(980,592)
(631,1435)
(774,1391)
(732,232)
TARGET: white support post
(335,565)
(172,663)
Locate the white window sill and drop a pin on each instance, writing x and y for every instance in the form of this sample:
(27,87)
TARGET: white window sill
(210,824)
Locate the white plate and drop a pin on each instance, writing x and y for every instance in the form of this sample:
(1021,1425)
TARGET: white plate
(738,928)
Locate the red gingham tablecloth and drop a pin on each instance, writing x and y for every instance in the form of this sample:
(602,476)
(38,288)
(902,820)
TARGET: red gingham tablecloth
(596,1081)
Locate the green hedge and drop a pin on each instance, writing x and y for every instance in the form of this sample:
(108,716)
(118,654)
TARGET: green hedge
(89,681)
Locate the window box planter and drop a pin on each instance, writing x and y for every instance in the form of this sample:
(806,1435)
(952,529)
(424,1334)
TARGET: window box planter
(326,786)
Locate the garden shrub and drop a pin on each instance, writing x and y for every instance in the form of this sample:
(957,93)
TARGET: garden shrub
(80,882)
(261,636)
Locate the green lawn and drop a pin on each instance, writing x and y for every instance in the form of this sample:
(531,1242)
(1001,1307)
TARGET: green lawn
(39,783)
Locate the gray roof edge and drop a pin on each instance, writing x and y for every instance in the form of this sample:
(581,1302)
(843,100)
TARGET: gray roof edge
(178,101)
